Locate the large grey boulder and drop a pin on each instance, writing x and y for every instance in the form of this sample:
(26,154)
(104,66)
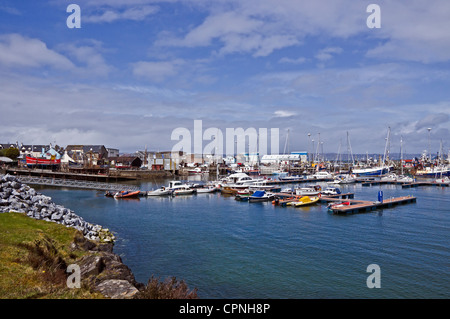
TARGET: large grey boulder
(117,289)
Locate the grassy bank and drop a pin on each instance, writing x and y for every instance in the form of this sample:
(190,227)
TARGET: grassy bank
(34,255)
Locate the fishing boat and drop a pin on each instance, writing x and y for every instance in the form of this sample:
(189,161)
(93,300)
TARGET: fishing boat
(308,191)
(261,196)
(430,172)
(159,192)
(372,171)
(304,201)
(127,194)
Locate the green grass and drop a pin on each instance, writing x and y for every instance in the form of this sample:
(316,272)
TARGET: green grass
(33,257)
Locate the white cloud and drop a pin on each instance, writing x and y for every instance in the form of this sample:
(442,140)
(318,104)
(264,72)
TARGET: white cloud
(299,60)
(281,113)
(19,51)
(156,71)
(413,31)
(111,15)
(88,55)
(327,53)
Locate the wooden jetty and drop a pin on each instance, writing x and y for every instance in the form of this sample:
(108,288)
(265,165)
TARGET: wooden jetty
(416,184)
(405,184)
(283,198)
(374,183)
(358,206)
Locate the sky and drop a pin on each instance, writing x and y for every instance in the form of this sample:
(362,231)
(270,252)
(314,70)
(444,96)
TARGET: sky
(136,70)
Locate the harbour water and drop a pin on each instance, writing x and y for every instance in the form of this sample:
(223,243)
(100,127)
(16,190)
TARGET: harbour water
(230,249)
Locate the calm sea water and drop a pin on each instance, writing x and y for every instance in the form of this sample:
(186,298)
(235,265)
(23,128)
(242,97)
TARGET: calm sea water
(230,249)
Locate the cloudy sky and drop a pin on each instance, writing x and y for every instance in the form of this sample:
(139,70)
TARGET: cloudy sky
(138,69)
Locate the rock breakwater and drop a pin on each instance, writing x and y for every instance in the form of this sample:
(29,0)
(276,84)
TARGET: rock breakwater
(21,198)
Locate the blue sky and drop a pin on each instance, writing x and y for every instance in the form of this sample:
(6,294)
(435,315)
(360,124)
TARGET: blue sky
(138,69)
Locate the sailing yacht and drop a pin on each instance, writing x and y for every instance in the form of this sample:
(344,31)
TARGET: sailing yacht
(378,170)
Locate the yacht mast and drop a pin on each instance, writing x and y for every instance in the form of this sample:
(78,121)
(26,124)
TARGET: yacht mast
(349,150)
(401,153)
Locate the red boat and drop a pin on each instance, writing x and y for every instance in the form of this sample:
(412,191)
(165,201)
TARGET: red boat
(127,194)
(42,161)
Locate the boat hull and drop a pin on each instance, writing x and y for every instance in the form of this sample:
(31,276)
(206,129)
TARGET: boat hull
(375,171)
(127,194)
(31,161)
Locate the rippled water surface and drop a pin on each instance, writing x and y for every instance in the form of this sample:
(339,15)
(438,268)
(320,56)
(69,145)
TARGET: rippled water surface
(232,249)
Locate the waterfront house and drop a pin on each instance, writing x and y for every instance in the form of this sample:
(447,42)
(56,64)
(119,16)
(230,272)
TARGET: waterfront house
(125,162)
(166,160)
(88,155)
(112,152)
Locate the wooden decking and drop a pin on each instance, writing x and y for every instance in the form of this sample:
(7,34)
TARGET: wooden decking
(405,185)
(358,206)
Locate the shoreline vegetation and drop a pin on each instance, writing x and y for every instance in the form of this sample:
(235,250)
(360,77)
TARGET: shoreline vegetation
(36,252)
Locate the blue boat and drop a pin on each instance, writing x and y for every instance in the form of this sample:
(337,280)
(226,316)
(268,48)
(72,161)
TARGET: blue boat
(261,196)
(372,171)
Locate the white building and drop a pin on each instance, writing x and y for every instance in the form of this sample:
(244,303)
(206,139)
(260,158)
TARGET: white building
(294,157)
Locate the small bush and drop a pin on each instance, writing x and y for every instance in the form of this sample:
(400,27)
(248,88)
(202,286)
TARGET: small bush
(171,288)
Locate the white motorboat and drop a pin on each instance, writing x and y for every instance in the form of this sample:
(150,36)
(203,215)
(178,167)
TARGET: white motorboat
(405,179)
(239,180)
(183,190)
(205,190)
(443,180)
(159,192)
(173,185)
(344,179)
(293,178)
(322,175)
(397,178)
(331,191)
(261,185)
(308,191)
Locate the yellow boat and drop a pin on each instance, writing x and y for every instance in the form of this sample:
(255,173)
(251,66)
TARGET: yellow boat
(303,201)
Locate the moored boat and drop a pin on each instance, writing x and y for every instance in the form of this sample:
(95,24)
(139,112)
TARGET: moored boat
(331,191)
(184,190)
(308,191)
(372,171)
(159,192)
(227,190)
(304,201)
(443,180)
(33,161)
(205,190)
(261,196)
(127,194)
